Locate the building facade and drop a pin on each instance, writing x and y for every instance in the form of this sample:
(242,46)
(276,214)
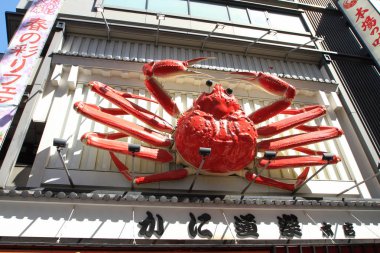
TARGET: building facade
(59,193)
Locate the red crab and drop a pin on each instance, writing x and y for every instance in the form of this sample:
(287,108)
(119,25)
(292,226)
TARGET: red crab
(215,121)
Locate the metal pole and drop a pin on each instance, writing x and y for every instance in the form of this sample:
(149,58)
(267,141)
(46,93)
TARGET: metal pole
(356,185)
(197,173)
(299,46)
(257,40)
(254,180)
(307,180)
(157,33)
(133,172)
(65,167)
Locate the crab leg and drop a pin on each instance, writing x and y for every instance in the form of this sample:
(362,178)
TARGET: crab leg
(165,176)
(274,86)
(164,69)
(302,117)
(108,142)
(281,162)
(313,158)
(275,183)
(142,114)
(121,125)
(316,134)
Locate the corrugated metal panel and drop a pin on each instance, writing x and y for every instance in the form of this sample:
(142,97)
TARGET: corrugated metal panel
(361,80)
(363,84)
(345,43)
(322,3)
(143,52)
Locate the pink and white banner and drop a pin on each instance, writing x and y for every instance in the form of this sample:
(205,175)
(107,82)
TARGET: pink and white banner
(22,54)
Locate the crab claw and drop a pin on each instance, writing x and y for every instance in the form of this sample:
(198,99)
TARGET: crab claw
(171,68)
(272,85)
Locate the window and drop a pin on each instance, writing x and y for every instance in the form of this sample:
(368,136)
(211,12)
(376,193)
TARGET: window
(216,12)
(238,15)
(209,11)
(178,7)
(130,4)
(286,22)
(258,18)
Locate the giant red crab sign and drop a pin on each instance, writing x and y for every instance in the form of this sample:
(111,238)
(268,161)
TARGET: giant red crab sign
(215,121)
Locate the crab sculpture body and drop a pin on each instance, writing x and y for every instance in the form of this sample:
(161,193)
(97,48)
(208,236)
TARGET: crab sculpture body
(215,121)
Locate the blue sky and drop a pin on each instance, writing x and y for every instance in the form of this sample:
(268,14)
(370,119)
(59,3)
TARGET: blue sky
(5,5)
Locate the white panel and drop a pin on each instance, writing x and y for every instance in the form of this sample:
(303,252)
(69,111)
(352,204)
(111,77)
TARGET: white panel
(52,130)
(103,159)
(56,76)
(335,101)
(72,130)
(115,221)
(43,106)
(73,77)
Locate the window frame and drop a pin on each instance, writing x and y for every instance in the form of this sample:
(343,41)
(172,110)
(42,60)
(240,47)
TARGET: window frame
(257,7)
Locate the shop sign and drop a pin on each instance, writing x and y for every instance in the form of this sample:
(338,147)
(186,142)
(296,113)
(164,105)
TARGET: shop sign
(21,57)
(187,223)
(366,21)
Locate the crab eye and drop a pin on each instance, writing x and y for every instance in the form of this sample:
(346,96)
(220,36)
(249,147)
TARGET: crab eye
(209,83)
(229,91)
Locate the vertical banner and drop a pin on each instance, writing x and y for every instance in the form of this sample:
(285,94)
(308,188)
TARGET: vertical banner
(22,54)
(365,19)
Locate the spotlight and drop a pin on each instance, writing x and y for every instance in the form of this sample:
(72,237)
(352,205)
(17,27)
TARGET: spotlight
(204,151)
(269,155)
(133,148)
(327,157)
(59,143)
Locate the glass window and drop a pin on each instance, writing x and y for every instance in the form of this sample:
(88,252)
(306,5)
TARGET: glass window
(178,7)
(286,22)
(129,4)
(258,18)
(238,15)
(209,11)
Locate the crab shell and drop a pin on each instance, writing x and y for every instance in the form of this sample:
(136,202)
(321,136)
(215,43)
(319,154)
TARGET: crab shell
(216,121)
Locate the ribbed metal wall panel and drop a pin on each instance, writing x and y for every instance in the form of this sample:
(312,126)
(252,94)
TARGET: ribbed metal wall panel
(337,37)
(322,3)
(362,81)
(363,84)
(145,52)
